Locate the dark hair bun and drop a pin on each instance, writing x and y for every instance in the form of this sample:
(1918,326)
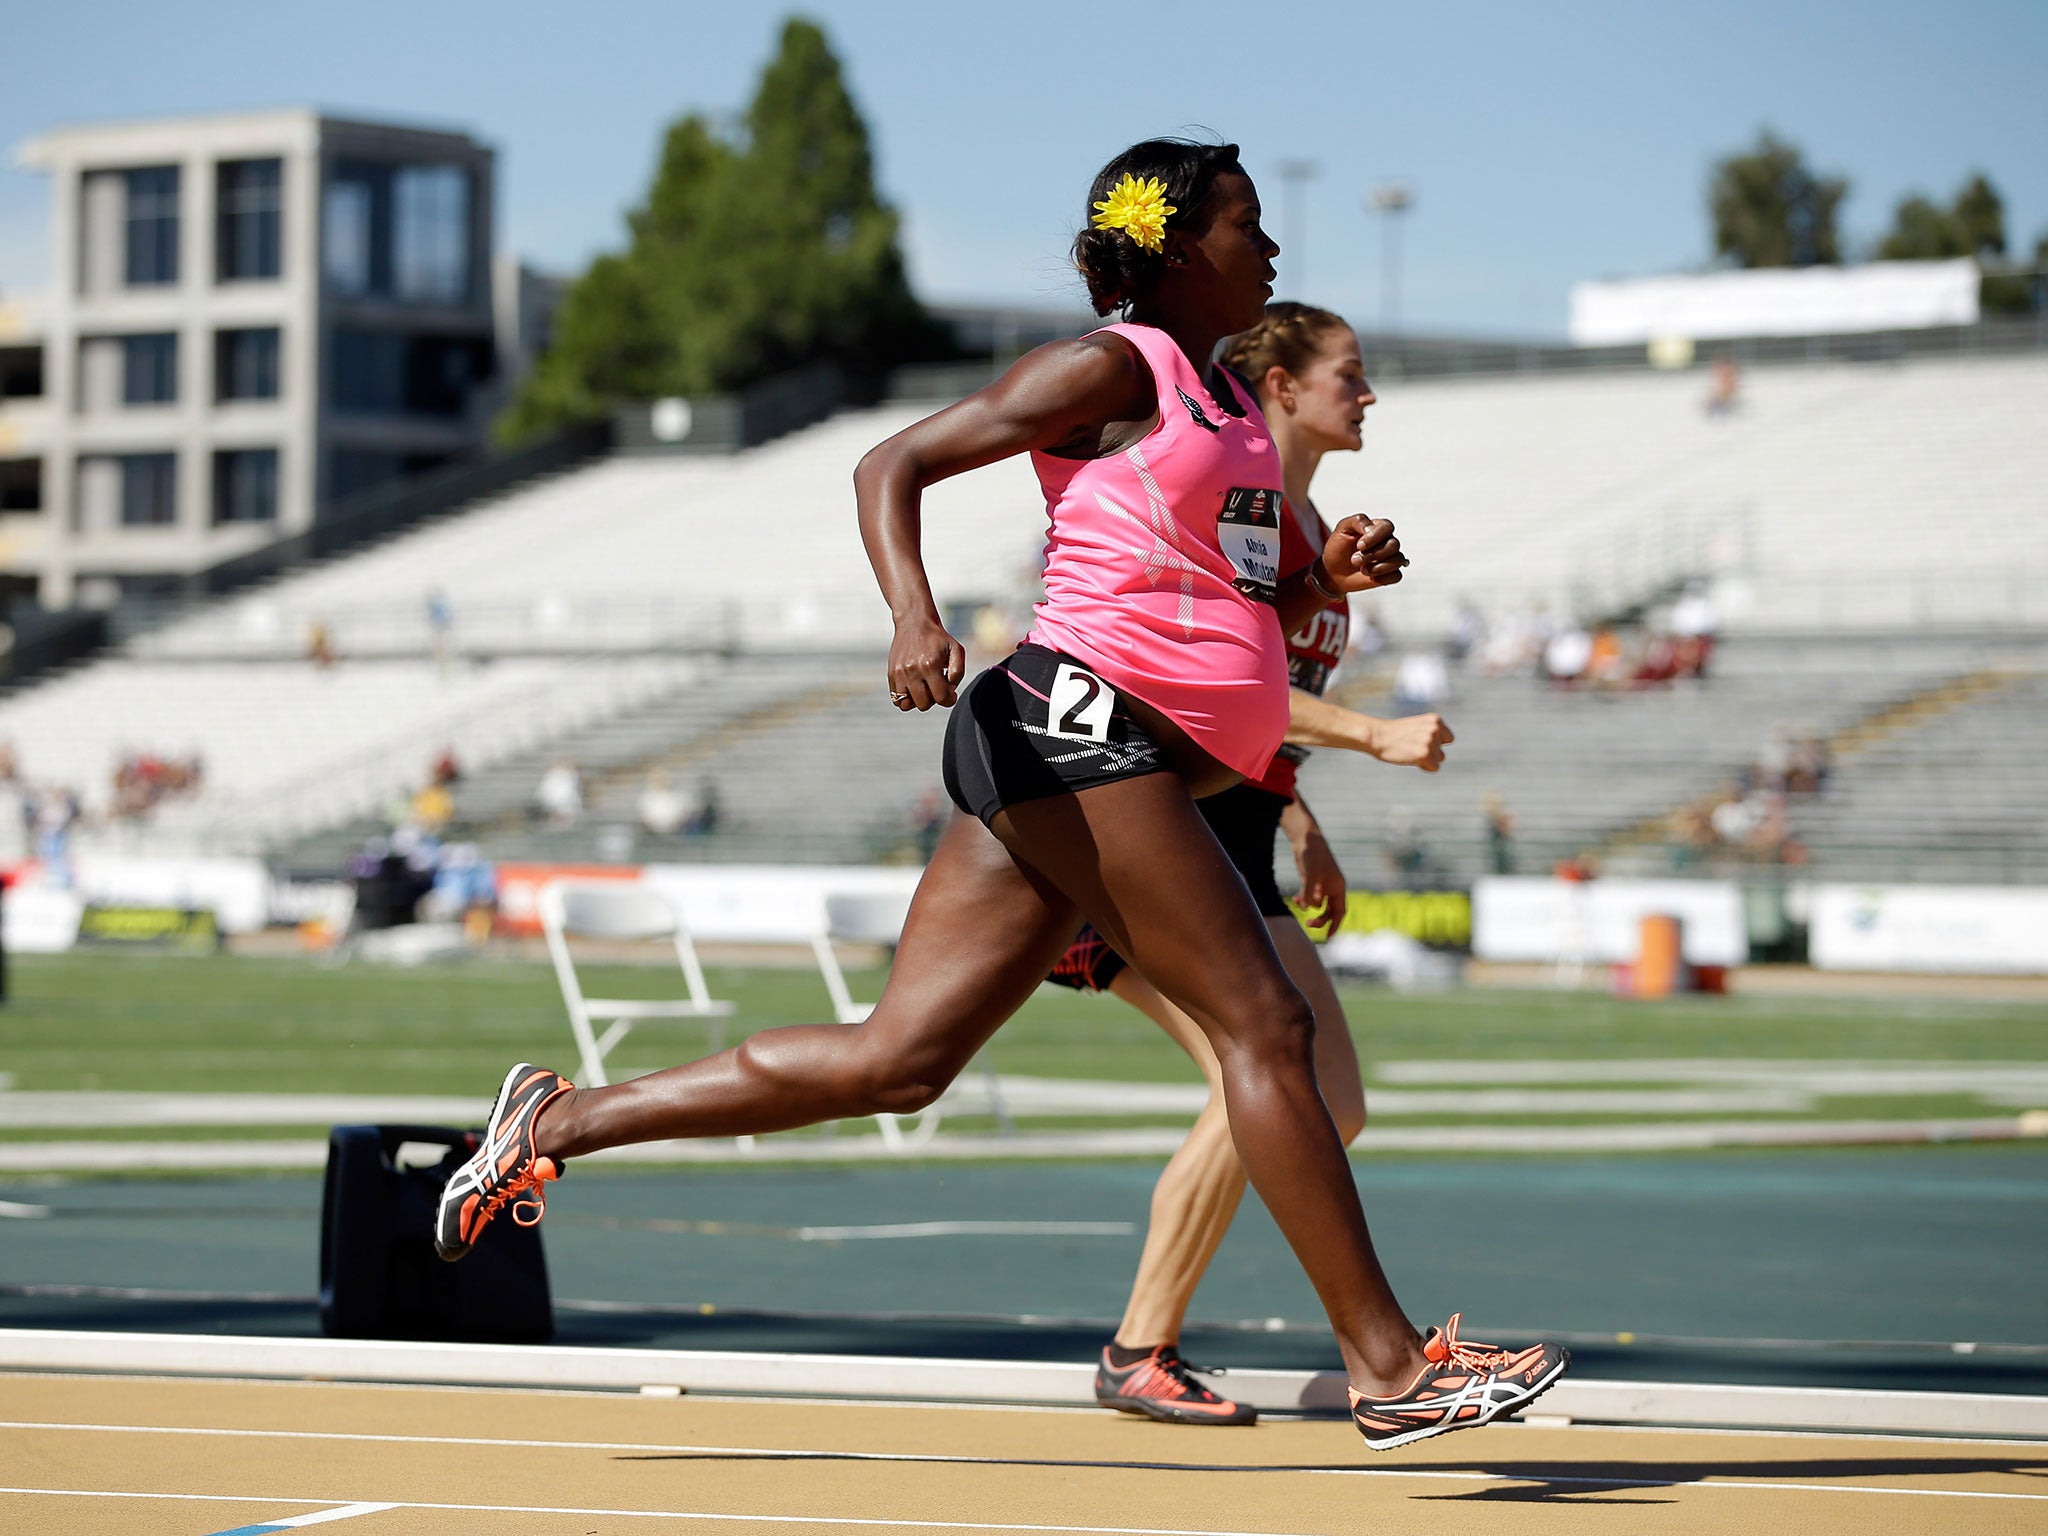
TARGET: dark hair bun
(1115,267)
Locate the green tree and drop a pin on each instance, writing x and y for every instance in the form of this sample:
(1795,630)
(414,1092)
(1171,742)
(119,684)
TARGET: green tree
(1972,225)
(1770,210)
(751,255)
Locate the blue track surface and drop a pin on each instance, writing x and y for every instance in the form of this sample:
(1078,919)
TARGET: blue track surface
(1830,1268)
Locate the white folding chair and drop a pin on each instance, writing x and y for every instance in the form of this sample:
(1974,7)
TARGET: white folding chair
(620,909)
(877,918)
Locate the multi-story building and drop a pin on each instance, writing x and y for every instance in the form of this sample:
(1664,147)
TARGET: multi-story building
(249,319)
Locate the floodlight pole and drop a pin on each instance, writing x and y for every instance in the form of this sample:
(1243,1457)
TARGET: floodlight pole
(1390,199)
(1295,175)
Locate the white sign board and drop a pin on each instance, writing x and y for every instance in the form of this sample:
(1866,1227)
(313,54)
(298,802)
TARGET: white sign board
(1995,928)
(40,920)
(770,903)
(1600,921)
(236,891)
(1777,301)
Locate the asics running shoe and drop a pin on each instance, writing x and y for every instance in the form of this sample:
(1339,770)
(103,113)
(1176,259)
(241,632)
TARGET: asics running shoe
(1161,1387)
(505,1166)
(1463,1386)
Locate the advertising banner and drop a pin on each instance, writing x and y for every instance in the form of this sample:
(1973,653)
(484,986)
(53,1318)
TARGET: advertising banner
(1439,919)
(771,904)
(236,891)
(1777,301)
(115,927)
(1600,921)
(1969,928)
(519,890)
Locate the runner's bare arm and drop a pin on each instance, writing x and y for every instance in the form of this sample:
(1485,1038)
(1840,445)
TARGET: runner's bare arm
(1067,395)
(1416,741)
(1322,879)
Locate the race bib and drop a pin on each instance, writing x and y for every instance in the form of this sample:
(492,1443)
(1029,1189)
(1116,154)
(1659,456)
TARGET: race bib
(1248,533)
(1079,710)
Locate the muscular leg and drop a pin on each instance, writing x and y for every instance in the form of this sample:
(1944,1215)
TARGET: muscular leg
(1142,866)
(981,934)
(1199,1189)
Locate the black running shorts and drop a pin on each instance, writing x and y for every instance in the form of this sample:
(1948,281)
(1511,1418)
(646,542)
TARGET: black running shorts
(1040,724)
(1246,820)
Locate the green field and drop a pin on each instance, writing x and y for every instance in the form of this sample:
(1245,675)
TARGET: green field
(253,1025)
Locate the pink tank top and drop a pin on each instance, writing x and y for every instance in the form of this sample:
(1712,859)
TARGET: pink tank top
(1161,561)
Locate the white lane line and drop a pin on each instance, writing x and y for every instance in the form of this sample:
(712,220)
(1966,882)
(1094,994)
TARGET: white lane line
(676,1514)
(318,1517)
(15,1210)
(970,1229)
(786,1453)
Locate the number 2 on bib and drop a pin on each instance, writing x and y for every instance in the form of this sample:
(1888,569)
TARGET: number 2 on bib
(1080,705)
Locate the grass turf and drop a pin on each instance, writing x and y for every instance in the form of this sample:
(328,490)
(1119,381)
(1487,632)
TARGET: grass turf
(244,1024)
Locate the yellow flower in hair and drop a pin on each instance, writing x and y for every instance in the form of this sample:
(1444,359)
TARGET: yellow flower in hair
(1139,209)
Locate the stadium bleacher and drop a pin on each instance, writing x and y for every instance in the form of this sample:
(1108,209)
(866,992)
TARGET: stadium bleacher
(623,614)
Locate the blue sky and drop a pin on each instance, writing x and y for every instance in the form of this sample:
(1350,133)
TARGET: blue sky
(1546,144)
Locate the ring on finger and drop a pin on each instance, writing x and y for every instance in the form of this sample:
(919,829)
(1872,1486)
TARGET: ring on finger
(898,698)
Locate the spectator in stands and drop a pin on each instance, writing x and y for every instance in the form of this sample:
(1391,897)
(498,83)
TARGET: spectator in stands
(432,808)
(1421,683)
(709,813)
(559,796)
(1408,862)
(1658,664)
(1607,659)
(663,809)
(441,630)
(1810,768)
(1468,632)
(1567,655)
(928,820)
(1580,868)
(54,812)
(1500,834)
(1724,387)
(1368,640)
(1693,626)
(446,770)
(320,644)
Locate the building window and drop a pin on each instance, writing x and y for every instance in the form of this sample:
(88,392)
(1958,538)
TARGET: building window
(21,373)
(245,485)
(355,237)
(251,223)
(398,232)
(149,490)
(431,264)
(149,369)
(245,364)
(152,226)
(21,485)
(380,374)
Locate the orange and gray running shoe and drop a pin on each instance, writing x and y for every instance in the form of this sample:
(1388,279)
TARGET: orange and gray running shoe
(505,1165)
(1160,1386)
(1463,1386)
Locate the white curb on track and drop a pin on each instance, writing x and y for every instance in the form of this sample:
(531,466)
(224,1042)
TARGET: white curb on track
(1002,1381)
(87,1156)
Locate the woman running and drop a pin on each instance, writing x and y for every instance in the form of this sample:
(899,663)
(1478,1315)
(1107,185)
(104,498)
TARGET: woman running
(1156,673)
(1305,366)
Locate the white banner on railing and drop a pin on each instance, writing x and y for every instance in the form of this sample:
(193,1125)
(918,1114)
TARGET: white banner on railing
(1983,928)
(770,903)
(1778,301)
(1600,921)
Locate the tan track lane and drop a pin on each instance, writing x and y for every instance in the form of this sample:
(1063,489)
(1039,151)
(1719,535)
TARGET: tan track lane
(449,1461)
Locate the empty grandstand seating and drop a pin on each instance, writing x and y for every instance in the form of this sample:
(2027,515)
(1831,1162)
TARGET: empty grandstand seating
(1897,499)
(1585,493)
(1577,768)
